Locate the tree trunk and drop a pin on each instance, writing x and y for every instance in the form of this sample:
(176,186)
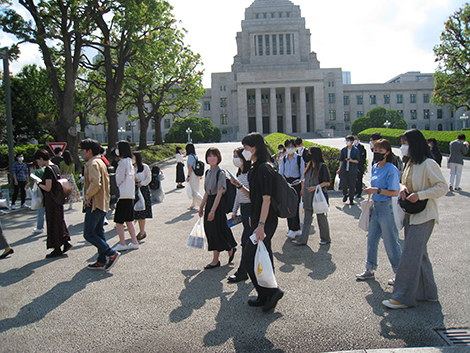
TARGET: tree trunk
(158,129)
(144,122)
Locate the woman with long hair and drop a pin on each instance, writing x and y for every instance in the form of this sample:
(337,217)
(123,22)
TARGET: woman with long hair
(243,203)
(261,178)
(57,232)
(218,234)
(192,178)
(316,173)
(125,180)
(422,180)
(179,168)
(385,184)
(67,170)
(143,177)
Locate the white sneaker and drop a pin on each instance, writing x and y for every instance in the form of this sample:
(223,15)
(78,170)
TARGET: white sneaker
(120,247)
(13,207)
(24,206)
(297,233)
(368,274)
(132,246)
(38,230)
(290,234)
(391,282)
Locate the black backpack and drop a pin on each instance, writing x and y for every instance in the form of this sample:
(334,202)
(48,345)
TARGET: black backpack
(155,183)
(228,198)
(113,188)
(198,167)
(285,199)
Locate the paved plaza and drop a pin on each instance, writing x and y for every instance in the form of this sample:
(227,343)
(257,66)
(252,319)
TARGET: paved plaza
(159,298)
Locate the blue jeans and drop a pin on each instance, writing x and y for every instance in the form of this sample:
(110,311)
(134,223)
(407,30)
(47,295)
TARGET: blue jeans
(382,224)
(40,221)
(93,232)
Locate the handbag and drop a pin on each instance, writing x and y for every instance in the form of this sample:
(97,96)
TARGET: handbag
(410,207)
(61,188)
(197,235)
(37,198)
(337,182)
(264,271)
(364,219)
(320,205)
(140,202)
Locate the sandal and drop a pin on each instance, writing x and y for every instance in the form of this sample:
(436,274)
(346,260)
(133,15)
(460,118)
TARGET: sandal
(141,236)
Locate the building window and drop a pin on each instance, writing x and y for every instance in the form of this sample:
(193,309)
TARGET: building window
(426,98)
(345,100)
(293,97)
(426,113)
(251,100)
(412,98)
(264,99)
(288,44)
(359,100)
(331,83)
(272,14)
(223,102)
(426,127)
(207,105)
(386,99)
(439,127)
(280,14)
(257,15)
(360,114)
(399,98)
(331,98)
(265,15)
(306,97)
(281,44)
(439,113)
(414,116)
(400,112)
(278,98)
(347,116)
(260,45)
(451,115)
(332,114)
(373,99)
(288,14)
(413,126)
(274,43)
(167,123)
(152,125)
(223,119)
(266,40)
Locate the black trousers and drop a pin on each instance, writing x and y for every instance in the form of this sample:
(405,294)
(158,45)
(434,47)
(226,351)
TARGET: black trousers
(20,187)
(249,256)
(359,183)
(348,184)
(294,222)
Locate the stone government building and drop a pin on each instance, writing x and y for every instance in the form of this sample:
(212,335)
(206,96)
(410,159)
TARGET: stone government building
(276,84)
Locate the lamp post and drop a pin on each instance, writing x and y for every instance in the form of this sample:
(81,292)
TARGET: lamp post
(132,129)
(387,124)
(464,119)
(6,80)
(121,130)
(188,131)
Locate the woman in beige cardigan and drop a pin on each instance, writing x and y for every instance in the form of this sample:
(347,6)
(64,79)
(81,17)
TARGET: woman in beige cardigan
(422,180)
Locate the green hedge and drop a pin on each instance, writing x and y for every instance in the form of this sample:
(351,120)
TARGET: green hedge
(27,151)
(444,138)
(330,154)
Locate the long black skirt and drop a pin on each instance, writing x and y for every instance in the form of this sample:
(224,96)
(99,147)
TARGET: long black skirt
(180,173)
(219,235)
(147,213)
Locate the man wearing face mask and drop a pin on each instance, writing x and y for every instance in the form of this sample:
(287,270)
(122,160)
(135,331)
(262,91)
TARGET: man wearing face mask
(19,173)
(348,163)
(292,167)
(361,165)
(301,150)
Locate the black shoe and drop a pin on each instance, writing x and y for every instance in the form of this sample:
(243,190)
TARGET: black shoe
(345,198)
(96,266)
(112,261)
(351,202)
(55,253)
(67,247)
(6,253)
(237,277)
(273,299)
(257,302)
(208,267)
(230,259)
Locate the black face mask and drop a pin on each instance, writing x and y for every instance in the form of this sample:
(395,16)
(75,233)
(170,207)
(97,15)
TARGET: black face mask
(308,157)
(378,156)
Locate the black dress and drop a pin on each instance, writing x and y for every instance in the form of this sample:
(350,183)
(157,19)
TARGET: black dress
(180,173)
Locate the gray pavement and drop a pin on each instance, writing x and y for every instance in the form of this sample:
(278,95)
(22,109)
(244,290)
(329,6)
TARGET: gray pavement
(158,298)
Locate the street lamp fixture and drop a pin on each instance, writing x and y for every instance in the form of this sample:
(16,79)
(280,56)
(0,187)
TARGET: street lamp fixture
(188,131)
(387,124)
(464,119)
(121,131)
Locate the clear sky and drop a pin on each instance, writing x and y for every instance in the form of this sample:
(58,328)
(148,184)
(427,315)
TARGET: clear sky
(373,39)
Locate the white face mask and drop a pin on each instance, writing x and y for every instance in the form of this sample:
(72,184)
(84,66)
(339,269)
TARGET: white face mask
(20,159)
(405,149)
(116,152)
(348,143)
(356,142)
(371,144)
(290,150)
(247,155)
(237,162)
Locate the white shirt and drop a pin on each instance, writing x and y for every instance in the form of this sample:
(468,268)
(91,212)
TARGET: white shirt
(144,177)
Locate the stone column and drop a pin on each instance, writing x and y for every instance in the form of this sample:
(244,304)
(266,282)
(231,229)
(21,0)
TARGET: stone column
(288,102)
(272,111)
(242,111)
(259,112)
(303,110)
(318,107)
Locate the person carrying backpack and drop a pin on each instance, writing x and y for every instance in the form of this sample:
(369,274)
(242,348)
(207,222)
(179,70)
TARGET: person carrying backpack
(292,167)
(192,178)
(348,163)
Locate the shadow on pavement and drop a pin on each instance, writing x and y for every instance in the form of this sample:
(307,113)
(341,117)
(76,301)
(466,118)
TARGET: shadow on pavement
(183,217)
(16,275)
(46,303)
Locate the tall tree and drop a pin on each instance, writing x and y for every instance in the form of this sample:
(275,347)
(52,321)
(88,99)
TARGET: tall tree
(452,77)
(163,80)
(58,27)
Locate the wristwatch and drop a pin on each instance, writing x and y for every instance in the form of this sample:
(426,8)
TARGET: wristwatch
(379,190)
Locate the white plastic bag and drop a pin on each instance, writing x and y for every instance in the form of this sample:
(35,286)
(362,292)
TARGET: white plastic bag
(320,205)
(36,198)
(197,235)
(398,213)
(140,204)
(189,191)
(264,271)
(28,193)
(337,182)
(364,220)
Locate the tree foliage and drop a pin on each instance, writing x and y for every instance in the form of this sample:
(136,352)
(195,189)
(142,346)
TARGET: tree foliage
(376,118)
(452,77)
(203,130)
